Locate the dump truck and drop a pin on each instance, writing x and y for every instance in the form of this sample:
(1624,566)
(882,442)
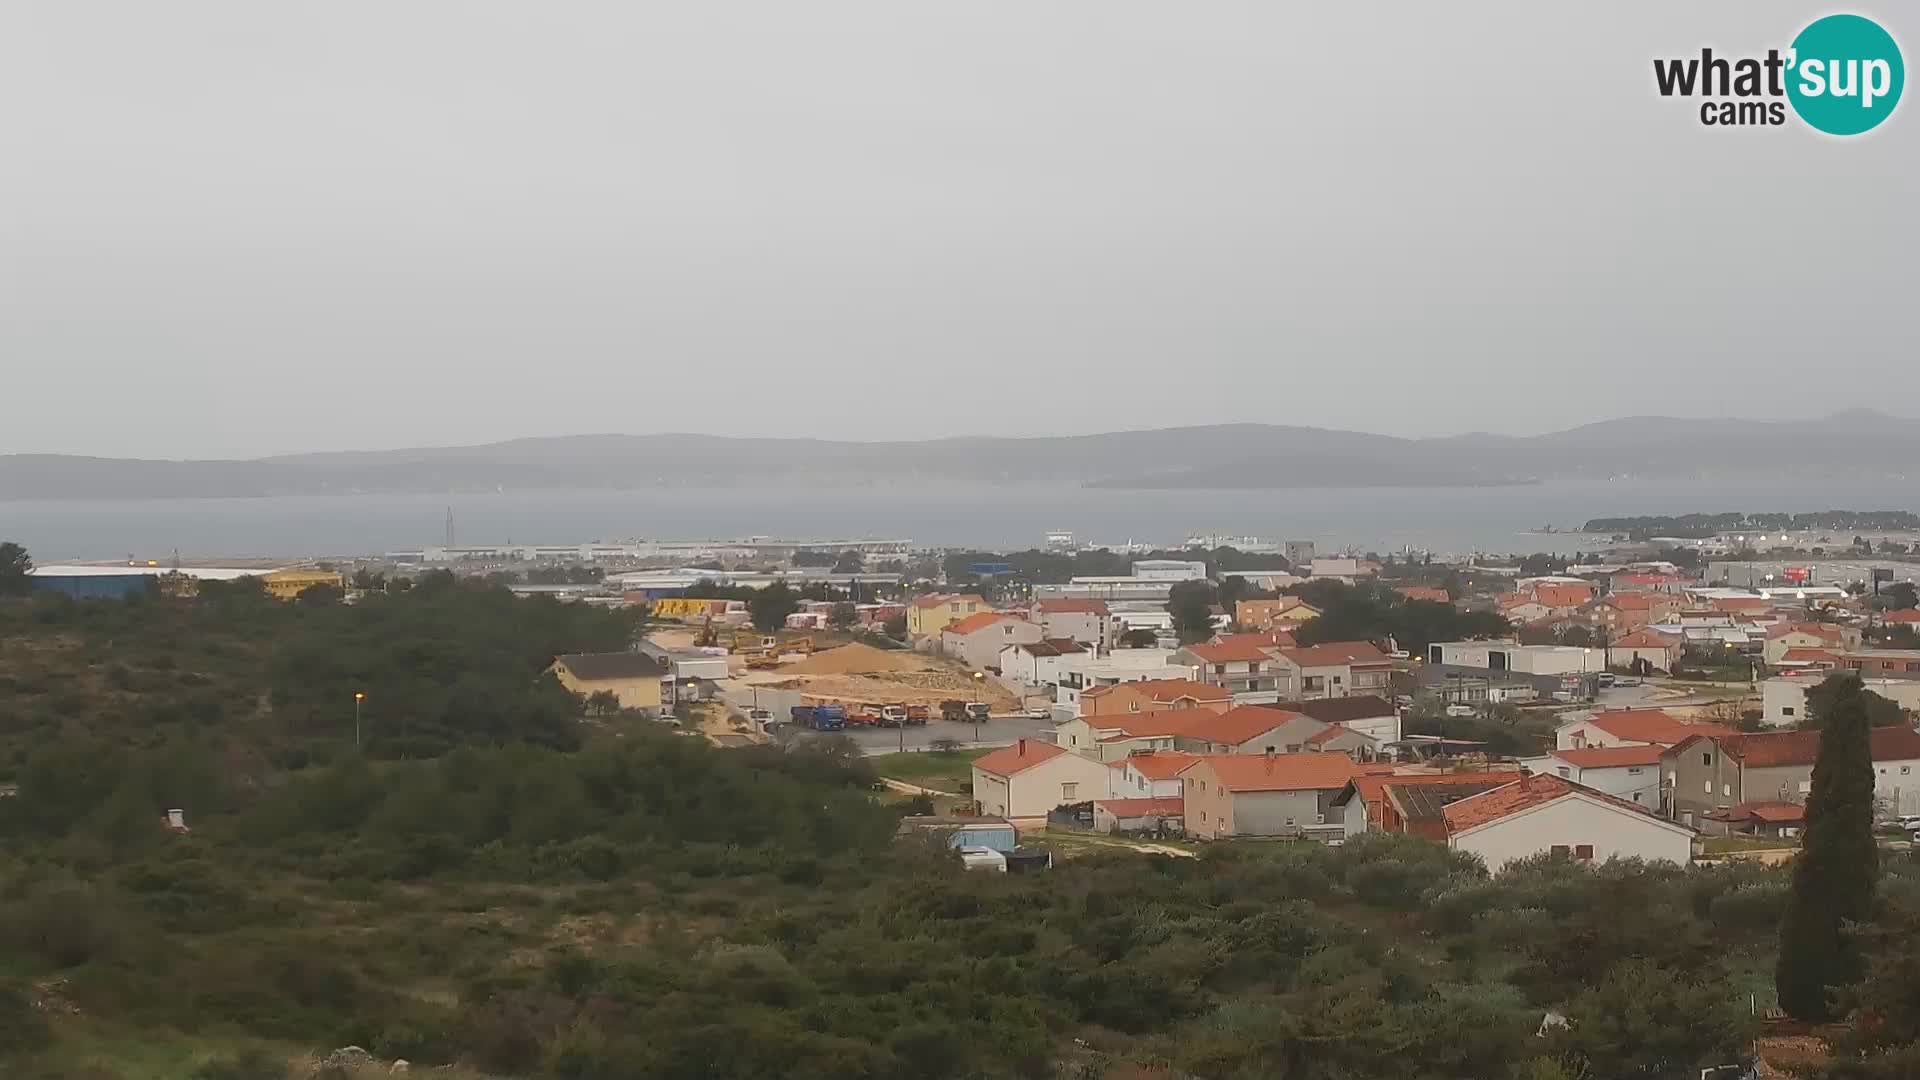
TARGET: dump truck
(978,711)
(893,716)
(954,709)
(820,717)
(918,715)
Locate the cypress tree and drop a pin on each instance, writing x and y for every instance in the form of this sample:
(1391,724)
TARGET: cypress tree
(1833,878)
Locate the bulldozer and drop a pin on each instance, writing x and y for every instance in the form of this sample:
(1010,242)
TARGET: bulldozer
(706,637)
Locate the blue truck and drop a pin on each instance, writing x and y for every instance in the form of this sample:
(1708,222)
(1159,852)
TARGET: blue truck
(821,717)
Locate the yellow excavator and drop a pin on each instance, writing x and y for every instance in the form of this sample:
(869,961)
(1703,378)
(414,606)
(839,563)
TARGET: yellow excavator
(770,657)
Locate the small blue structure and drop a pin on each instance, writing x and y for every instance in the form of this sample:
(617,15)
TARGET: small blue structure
(992,833)
(96,586)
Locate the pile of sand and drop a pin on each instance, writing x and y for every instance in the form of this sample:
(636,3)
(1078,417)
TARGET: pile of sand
(854,659)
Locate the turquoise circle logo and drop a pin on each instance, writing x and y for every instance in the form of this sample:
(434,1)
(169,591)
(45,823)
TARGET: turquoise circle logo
(1846,74)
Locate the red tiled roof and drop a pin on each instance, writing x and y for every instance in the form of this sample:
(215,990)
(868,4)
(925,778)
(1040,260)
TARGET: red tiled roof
(1169,806)
(1525,793)
(1069,605)
(1611,757)
(933,600)
(1740,603)
(1147,725)
(1809,655)
(1158,764)
(1166,690)
(1018,758)
(1820,630)
(1904,615)
(979,621)
(1651,726)
(1772,749)
(1424,592)
(1276,772)
(1649,579)
(1632,601)
(1232,650)
(1328,734)
(1333,653)
(1370,783)
(1554,595)
(1236,726)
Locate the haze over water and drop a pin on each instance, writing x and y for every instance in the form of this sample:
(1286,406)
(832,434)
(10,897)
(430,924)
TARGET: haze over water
(1444,520)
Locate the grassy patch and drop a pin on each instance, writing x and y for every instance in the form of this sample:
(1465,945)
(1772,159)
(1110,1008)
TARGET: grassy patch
(946,772)
(1721,845)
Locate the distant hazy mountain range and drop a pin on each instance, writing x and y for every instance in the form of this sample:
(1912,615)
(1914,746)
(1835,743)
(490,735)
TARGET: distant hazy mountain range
(1240,456)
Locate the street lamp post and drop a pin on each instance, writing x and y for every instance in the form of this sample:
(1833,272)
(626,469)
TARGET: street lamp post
(979,680)
(358,697)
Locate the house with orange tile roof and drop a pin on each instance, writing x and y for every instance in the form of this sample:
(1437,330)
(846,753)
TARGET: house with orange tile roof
(1363,804)
(1662,651)
(928,615)
(1279,612)
(1715,772)
(1147,774)
(1336,669)
(1230,795)
(1030,778)
(1084,620)
(1900,617)
(1151,695)
(976,640)
(1629,727)
(1562,598)
(1757,819)
(1520,608)
(1545,814)
(1138,815)
(1112,736)
(1625,612)
(1807,635)
(1250,729)
(1429,593)
(1246,665)
(1883,663)
(1810,659)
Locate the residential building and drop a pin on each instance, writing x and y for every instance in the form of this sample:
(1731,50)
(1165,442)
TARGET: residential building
(1542,813)
(1883,663)
(1563,598)
(1520,608)
(1150,695)
(1245,665)
(1030,778)
(976,640)
(1648,646)
(1248,729)
(928,615)
(1781,819)
(1340,568)
(1625,612)
(1365,714)
(1147,774)
(1630,727)
(1279,612)
(1085,672)
(1807,661)
(1036,663)
(1783,698)
(1459,685)
(1265,795)
(1629,772)
(1076,619)
(1336,669)
(1138,815)
(1714,772)
(636,680)
(1900,617)
(1363,805)
(1114,736)
(1804,635)
(1341,739)
(1429,593)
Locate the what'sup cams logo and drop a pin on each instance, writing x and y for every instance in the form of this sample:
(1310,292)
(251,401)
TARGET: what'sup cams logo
(1842,75)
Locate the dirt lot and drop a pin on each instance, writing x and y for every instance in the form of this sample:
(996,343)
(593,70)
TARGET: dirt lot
(862,673)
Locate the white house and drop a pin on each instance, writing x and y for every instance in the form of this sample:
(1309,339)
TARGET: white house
(977,639)
(1085,671)
(1029,778)
(1659,650)
(1629,772)
(1783,698)
(1153,774)
(1629,727)
(1036,663)
(1086,621)
(1544,813)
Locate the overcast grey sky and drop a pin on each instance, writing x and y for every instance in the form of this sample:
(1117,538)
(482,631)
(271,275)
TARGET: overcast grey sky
(234,228)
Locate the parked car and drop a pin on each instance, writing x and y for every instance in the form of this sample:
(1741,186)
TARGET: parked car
(1606,678)
(1460,710)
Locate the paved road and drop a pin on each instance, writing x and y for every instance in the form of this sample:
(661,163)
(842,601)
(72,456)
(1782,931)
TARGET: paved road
(891,740)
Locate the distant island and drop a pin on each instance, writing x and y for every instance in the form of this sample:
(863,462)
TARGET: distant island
(1237,457)
(1696,526)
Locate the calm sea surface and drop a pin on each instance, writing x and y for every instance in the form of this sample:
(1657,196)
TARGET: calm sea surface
(1445,520)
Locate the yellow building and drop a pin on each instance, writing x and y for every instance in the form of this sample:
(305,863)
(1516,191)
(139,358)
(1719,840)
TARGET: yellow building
(1280,613)
(635,679)
(930,614)
(287,584)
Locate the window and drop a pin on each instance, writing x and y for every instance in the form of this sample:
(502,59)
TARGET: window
(1561,849)
(1726,790)
(1706,757)
(1068,791)
(1806,787)
(1564,771)
(1636,796)
(1906,770)
(1634,770)
(1707,787)
(1786,710)
(1319,819)
(1583,852)
(1289,823)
